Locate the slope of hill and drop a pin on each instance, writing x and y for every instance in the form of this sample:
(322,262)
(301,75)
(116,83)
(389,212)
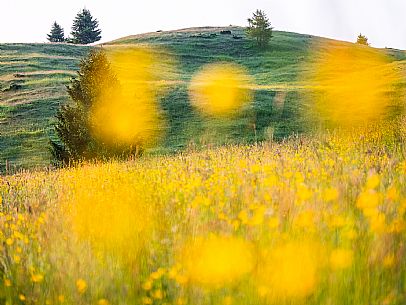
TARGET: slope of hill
(33,79)
(32,86)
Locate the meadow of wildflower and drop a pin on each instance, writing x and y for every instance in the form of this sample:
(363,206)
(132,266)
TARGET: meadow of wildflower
(312,220)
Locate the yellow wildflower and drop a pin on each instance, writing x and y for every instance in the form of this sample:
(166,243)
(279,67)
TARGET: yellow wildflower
(37,278)
(373,181)
(103,302)
(147,301)
(217,260)
(341,258)
(157,294)
(147,285)
(7,283)
(81,286)
(287,274)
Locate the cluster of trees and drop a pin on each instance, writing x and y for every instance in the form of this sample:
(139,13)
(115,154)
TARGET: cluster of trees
(259,28)
(85,30)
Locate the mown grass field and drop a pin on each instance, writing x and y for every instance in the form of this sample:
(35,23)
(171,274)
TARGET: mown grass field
(318,220)
(41,72)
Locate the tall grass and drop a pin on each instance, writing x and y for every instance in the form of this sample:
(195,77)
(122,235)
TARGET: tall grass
(312,220)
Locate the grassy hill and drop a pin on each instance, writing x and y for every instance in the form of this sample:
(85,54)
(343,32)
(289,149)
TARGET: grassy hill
(33,79)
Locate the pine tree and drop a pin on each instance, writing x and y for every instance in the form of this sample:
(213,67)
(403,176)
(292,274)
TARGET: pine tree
(73,127)
(361,39)
(85,28)
(57,33)
(260,28)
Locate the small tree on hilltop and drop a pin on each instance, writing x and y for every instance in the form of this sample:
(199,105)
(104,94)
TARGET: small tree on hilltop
(259,28)
(73,127)
(361,39)
(57,33)
(85,28)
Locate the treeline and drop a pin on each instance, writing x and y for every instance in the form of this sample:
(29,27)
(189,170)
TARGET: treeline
(85,30)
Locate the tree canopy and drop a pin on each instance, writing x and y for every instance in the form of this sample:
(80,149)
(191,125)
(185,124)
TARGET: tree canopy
(362,39)
(57,33)
(259,28)
(77,140)
(85,28)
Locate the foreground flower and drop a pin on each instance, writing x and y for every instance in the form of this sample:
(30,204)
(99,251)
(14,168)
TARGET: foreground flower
(81,286)
(290,270)
(218,260)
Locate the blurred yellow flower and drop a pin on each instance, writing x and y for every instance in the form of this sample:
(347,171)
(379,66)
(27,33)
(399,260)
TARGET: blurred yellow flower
(378,223)
(7,283)
(341,258)
(330,194)
(350,85)
(147,285)
(368,199)
(81,286)
(37,278)
(220,89)
(228,300)
(17,259)
(389,260)
(147,301)
(392,193)
(218,260)
(291,270)
(373,181)
(273,222)
(157,294)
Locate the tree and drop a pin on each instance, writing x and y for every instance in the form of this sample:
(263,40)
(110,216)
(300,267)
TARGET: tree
(260,28)
(77,141)
(361,39)
(57,33)
(85,28)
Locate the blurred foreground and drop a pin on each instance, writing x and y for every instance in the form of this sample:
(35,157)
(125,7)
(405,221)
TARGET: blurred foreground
(308,221)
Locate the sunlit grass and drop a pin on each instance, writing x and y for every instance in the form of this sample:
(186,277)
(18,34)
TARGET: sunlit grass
(317,220)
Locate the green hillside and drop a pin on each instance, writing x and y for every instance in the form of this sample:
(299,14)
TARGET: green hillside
(33,79)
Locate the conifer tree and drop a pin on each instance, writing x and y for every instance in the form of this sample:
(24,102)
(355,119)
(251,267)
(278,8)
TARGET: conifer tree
(57,33)
(362,39)
(259,28)
(85,28)
(76,139)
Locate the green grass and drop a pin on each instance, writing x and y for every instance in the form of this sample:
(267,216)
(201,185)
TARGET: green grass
(42,71)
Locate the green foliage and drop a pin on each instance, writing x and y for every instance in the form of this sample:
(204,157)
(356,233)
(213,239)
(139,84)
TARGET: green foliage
(73,126)
(27,115)
(85,28)
(57,33)
(260,28)
(361,39)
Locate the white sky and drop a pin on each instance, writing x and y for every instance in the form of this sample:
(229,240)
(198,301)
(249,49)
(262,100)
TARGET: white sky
(382,21)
